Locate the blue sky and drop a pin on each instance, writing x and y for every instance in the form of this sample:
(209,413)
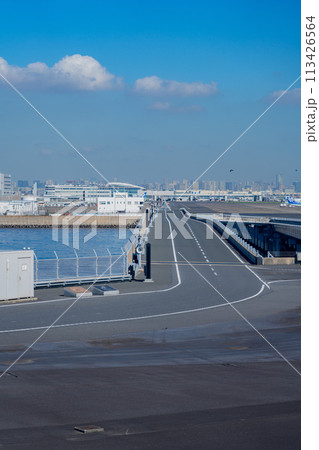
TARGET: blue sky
(166,88)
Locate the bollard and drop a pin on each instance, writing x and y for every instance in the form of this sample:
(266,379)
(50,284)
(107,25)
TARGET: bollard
(148,277)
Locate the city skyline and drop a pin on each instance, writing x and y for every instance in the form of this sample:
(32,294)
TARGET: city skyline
(24,186)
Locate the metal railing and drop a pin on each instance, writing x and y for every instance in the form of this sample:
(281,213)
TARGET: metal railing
(139,235)
(80,269)
(244,247)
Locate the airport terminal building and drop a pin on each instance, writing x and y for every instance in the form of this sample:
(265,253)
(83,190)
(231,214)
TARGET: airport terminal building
(88,194)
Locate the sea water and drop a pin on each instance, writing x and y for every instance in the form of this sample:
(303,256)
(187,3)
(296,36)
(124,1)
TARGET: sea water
(45,241)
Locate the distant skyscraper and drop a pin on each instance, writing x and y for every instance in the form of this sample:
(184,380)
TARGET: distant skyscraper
(40,184)
(35,189)
(214,185)
(5,184)
(297,186)
(279,182)
(184,184)
(195,185)
(222,185)
(229,186)
(22,183)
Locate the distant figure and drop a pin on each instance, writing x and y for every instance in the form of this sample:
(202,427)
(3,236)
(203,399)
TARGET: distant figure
(231,170)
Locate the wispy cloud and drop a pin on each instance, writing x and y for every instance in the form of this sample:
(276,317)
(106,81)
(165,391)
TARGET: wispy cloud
(76,72)
(158,87)
(167,106)
(290,98)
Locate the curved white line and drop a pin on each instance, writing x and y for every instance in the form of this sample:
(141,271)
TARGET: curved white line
(282,281)
(127,319)
(245,318)
(123,293)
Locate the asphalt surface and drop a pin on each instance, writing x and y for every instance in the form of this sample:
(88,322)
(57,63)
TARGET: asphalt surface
(262,209)
(205,356)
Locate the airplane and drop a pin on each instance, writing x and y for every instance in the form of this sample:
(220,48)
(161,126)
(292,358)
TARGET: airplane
(290,201)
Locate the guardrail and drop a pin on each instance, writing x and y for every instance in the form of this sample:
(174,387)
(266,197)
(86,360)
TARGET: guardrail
(256,219)
(246,249)
(250,252)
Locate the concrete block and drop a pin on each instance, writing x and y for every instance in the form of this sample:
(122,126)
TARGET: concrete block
(89,429)
(260,260)
(104,289)
(278,260)
(77,291)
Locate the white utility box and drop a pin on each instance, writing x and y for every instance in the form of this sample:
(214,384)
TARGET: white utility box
(16,274)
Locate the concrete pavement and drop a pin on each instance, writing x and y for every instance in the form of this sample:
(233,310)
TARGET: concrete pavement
(162,365)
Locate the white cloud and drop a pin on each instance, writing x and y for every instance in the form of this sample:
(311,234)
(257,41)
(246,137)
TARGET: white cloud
(76,72)
(292,97)
(167,106)
(156,86)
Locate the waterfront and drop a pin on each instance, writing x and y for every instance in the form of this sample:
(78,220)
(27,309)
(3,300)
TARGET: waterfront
(41,240)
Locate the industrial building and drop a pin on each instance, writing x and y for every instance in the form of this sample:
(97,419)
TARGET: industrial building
(58,193)
(120,203)
(28,205)
(5,184)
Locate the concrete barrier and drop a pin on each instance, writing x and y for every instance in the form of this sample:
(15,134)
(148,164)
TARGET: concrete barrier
(77,291)
(277,261)
(247,250)
(114,221)
(242,246)
(104,290)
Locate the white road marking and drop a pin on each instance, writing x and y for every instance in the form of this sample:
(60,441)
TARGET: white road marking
(203,253)
(123,293)
(242,316)
(231,250)
(127,319)
(52,325)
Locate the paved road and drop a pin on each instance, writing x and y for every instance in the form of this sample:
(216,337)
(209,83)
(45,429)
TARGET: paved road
(262,209)
(202,355)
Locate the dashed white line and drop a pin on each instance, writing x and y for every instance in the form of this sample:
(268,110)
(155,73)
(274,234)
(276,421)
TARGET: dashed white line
(202,251)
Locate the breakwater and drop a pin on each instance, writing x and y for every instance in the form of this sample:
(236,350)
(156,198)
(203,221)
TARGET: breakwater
(81,221)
